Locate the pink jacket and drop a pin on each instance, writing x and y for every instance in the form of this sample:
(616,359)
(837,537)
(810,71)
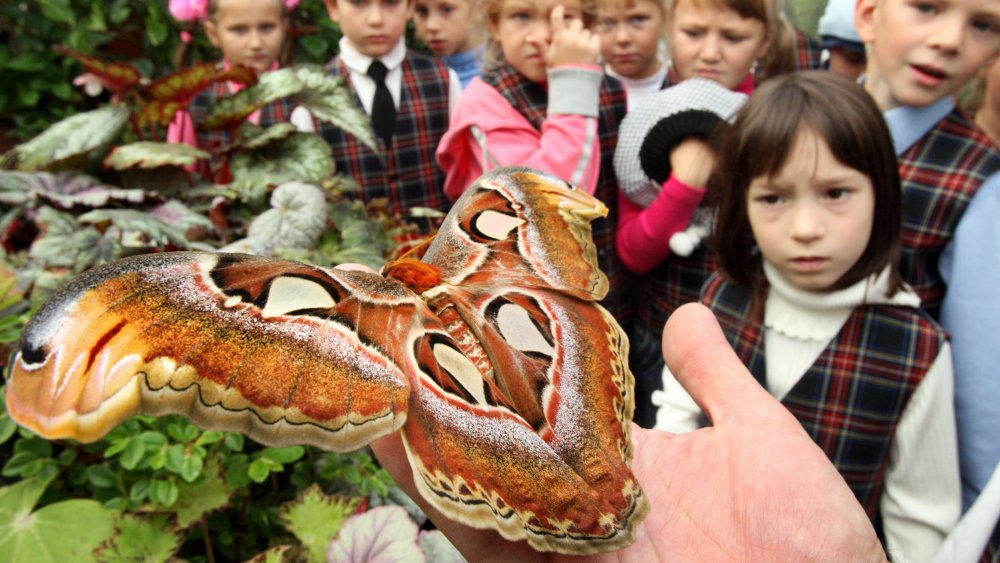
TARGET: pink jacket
(567,146)
(644,234)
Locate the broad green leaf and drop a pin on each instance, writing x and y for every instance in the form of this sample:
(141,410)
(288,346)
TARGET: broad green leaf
(132,221)
(302,157)
(284,455)
(254,137)
(65,189)
(384,533)
(140,538)
(64,531)
(72,138)
(315,519)
(197,499)
(296,219)
(329,98)
(9,295)
(147,154)
(232,110)
(59,10)
(164,492)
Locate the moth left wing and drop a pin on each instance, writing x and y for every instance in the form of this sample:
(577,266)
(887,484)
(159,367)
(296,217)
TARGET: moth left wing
(283,352)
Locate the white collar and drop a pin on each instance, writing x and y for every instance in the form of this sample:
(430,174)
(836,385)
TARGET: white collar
(819,315)
(359,63)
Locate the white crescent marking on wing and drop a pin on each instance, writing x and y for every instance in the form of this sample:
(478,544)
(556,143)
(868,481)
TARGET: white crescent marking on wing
(289,293)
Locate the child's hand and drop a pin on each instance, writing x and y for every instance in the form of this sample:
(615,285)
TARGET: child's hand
(571,43)
(692,161)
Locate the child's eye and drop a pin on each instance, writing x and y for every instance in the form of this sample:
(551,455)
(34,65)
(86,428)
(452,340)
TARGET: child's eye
(638,22)
(986,26)
(769,199)
(446,9)
(421,11)
(693,33)
(520,16)
(606,25)
(239,29)
(734,37)
(837,193)
(925,7)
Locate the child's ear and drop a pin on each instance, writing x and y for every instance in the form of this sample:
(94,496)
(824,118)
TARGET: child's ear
(864,19)
(212,31)
(331,9)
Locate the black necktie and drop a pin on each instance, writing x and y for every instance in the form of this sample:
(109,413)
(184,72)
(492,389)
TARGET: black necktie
(383,109)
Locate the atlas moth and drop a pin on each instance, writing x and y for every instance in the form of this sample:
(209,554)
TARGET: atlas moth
(507,380)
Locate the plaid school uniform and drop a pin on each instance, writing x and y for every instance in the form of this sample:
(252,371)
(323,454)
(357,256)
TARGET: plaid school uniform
(215,141)
(808,53)
(531,100)
(940,173)
(852,397)
(407,174)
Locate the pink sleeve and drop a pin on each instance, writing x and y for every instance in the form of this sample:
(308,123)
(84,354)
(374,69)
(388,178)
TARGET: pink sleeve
(181,129)
(568,148)
(644,234)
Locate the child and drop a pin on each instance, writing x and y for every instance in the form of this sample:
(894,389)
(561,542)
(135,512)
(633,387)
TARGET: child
(811,300)
(545,104)
(249,33)
(450,30)
(918,58)
(721,40)
(409,98)
(632,34)
(843,51)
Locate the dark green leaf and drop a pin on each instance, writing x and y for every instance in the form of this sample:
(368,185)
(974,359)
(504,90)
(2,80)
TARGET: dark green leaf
(139,490)
(133,454)
(284,455)
(59,11)
(163,492)
(191,468)
(101,476)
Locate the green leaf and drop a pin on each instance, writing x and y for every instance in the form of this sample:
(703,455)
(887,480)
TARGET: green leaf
(64,531)
(329,99)
(259,470)
(59,11)
(156,29)
(314,45)
(133,454)
(254,137)
(270,86)
(147,154)
(136,538)
(163,492)
(296,219)
(302,157)
(191,467)
(135,223)
(315,518)
(101,476)
(233,441)
(72,139)
(209,437)
(207,495)
(284,455)
(139,491)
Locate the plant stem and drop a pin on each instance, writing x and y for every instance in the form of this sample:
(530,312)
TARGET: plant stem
(209,552)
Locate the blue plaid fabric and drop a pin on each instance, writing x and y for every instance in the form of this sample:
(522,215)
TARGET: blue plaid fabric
(853,396)
(407,175)
(940,173)
(531,100)
(216,141)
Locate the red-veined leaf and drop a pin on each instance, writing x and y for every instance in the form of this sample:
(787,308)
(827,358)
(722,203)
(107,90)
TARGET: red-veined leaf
(117,76)
(147,154)
(185,84)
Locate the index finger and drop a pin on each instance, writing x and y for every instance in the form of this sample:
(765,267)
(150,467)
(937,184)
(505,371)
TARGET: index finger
(557,19)
(704,363)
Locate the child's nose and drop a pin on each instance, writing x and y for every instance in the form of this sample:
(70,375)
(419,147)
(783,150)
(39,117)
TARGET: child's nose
(710,49)
(805,222)
(375,16)
(947,34)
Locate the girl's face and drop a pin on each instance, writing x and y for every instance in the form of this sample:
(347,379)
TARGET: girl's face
(813,219)
(248,32)
(523,31)
(714,42)
(444,25)
(631,36)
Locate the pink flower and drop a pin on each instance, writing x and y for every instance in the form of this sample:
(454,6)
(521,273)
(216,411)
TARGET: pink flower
(291,4)
(91,84)
(189,10)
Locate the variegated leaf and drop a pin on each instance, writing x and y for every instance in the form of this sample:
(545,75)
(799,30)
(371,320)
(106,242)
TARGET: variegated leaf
(72,139)
(148,154)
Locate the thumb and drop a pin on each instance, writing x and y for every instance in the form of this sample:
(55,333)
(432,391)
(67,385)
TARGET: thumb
(704,363)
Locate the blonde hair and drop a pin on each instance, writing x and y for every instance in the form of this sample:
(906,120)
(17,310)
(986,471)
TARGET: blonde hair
(491,18)
(780,56)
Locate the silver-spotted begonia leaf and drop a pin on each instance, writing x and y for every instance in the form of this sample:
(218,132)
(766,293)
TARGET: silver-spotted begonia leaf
(384,534)
(147,154)
(71,140)
(296,219)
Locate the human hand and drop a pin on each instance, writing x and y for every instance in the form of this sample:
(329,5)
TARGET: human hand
(691,162)
(571,43)
(752,487)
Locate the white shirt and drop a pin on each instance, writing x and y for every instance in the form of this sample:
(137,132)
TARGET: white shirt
(638,88)
(922,498)
(357,64)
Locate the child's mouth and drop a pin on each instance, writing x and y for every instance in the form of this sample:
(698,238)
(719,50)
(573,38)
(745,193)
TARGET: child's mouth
(929,73)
